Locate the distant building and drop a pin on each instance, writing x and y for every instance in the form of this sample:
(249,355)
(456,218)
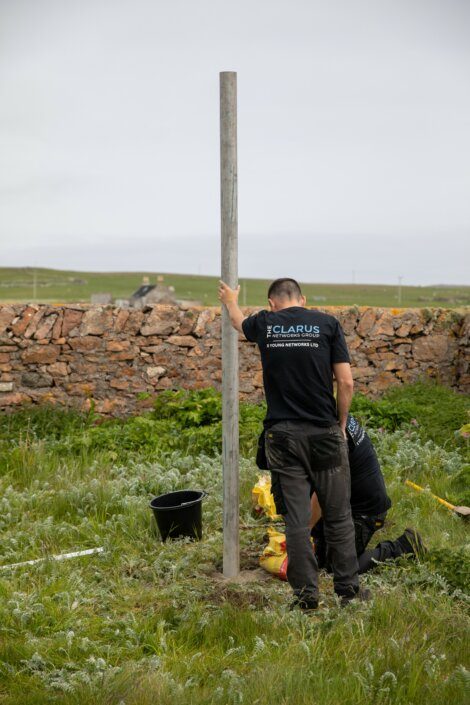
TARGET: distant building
(146,294)
(152,294)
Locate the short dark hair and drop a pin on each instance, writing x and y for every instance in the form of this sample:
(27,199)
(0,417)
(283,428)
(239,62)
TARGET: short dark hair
(284,288)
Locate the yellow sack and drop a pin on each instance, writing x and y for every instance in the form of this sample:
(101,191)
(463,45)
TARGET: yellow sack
(263,501)
(274,556)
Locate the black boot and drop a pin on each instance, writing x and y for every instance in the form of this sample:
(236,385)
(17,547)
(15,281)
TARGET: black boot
(363,595)
(306,604)
(412,543)
(408,544)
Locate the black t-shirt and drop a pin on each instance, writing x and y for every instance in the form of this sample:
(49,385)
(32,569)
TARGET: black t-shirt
(298,348)
(368,491)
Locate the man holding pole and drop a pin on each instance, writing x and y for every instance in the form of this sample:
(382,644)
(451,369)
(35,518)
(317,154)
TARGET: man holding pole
(301,351)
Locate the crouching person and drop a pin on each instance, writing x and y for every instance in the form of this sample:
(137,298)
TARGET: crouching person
(369,505)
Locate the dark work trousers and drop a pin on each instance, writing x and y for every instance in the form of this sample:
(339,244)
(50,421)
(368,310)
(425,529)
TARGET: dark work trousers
(305,458)
(384,551)
(364,527)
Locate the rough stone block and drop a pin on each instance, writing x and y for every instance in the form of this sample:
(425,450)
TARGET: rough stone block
(119,383)
(80,389)
(246,386)
(203,320)
(183,341)
(258,378)
(96,322)
(40,354)
(366,322)
(7,344)
(134,322)
(383,326)
(363,372)
(44,330)
(409,376)
(118,345)
(13,399)
(432,348)
(403,349)
(121,320)
(197,351)
(160,321)
(36,380)
(155,372)
(57,328)
(164,383)
(33,324)
(124,355)
(384,380)
(57,369)
(19,325)
(7,314)
(353,341)
(214,329)
(186,323)
(398,363)
(71,322)
(409,320)
(87,343)
(110,406)
(349,321)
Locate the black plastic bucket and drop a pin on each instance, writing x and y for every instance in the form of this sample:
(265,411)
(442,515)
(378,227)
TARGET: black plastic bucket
(179,514)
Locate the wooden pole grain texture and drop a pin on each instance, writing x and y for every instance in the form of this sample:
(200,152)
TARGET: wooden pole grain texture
(229,243)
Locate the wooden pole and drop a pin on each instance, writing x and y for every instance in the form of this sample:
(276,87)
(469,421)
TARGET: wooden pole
(229,242)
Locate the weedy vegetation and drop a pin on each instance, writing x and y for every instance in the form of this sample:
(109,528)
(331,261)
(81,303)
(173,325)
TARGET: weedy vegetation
(147,622)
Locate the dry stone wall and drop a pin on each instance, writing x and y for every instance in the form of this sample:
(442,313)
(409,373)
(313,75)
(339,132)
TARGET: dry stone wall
(79,355)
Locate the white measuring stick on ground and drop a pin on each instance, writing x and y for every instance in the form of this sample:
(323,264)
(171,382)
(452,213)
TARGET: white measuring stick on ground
(58,557)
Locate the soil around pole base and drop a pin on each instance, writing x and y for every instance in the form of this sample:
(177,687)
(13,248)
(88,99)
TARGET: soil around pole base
(257,575)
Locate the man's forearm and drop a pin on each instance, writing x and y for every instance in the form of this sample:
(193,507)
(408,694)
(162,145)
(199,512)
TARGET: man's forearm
(345,386)
(236,315)
(343,402)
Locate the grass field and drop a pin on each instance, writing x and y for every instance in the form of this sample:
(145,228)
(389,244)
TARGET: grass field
(146,623)
(49,285)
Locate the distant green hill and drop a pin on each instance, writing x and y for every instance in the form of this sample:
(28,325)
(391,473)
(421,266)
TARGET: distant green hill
(57,286)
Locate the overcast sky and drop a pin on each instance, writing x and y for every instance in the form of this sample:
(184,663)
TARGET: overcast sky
(354,136)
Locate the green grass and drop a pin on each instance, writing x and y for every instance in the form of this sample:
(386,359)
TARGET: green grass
(151,623)
(56,286)
(434,411)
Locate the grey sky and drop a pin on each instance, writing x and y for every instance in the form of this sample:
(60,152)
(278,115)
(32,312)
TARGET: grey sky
(354,136)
